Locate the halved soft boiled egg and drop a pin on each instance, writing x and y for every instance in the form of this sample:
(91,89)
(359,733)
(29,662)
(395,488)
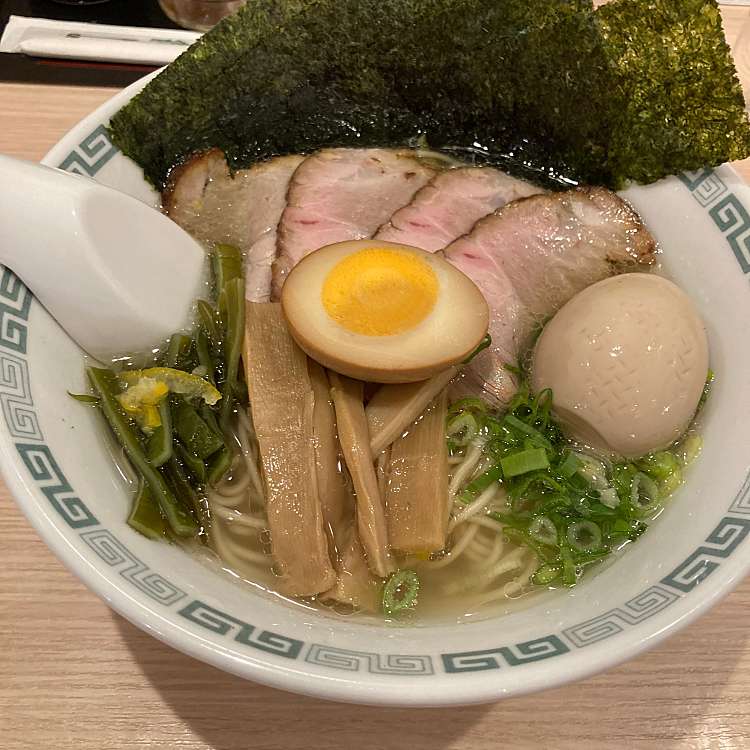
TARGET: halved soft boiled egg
(383,312)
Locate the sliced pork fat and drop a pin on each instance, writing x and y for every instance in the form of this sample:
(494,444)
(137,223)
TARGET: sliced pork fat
(450,204)
(242,209)
(343,194)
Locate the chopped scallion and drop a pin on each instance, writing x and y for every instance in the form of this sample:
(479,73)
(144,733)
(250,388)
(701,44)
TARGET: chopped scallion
(400,592)
(584,536)
(609,497)
(543,530)
(570,465)
(644,495)
(483,481)
(524,461)
(547,574)
(462,429)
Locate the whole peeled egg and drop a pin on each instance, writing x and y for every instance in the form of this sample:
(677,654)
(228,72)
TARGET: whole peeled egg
(626,360)
(383,312)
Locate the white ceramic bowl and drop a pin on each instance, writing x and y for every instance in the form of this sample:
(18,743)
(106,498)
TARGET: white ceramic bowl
(56,465)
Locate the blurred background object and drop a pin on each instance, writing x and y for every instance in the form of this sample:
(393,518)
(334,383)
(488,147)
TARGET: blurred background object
(200,15)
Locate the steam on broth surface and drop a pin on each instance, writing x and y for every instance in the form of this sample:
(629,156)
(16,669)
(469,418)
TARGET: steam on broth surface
(360,446)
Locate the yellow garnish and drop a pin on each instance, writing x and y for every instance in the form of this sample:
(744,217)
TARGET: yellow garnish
(141,400)
(380,291)
(175,381)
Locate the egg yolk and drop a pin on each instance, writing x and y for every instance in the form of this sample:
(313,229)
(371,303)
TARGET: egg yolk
(380,291)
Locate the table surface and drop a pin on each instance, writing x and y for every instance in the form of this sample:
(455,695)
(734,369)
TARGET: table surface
(73,674)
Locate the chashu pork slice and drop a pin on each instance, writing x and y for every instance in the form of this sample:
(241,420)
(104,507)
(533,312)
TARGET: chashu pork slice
(532,256)
(343,194)
(450,204)
(243,209)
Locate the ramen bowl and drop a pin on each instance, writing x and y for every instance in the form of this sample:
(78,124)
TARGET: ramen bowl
(61,473)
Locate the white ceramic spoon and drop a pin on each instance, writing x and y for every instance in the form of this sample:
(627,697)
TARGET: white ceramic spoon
(118,275)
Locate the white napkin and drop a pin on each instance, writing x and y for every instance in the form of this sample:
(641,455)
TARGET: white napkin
(42,37)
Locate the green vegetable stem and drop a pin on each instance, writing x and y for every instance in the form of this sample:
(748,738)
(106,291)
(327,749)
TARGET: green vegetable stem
(189,446)
(104,382)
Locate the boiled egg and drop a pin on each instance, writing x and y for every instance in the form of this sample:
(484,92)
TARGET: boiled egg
(383,312)
(626,360)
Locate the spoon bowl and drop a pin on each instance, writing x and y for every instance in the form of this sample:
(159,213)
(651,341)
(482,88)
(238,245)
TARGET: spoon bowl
(118,275)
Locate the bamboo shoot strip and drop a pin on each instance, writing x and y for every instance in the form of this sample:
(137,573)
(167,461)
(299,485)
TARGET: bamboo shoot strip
(336,498)
(282,407)
(355,583)
(381,469)
(394,407)
(417,486)
(355,443)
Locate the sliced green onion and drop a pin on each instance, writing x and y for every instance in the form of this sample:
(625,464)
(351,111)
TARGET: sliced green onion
(609,497)
(400,592)
(543,530)
(671,483)
(517,424)
(540,407)
(593,471)
(586,558)
(470,403)
(462,429)
(644,494)
(570,508)
(710,377)
(523,462)
(570,465)
(584,536)
(569,568)
(659,465)
(483,481)
(547,573)
(690,449)
(543,552)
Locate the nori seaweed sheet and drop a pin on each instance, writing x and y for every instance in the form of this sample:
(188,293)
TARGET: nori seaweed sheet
(682,104)
(636,90)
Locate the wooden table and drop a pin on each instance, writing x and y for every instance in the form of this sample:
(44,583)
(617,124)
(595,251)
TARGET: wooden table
(73,674)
